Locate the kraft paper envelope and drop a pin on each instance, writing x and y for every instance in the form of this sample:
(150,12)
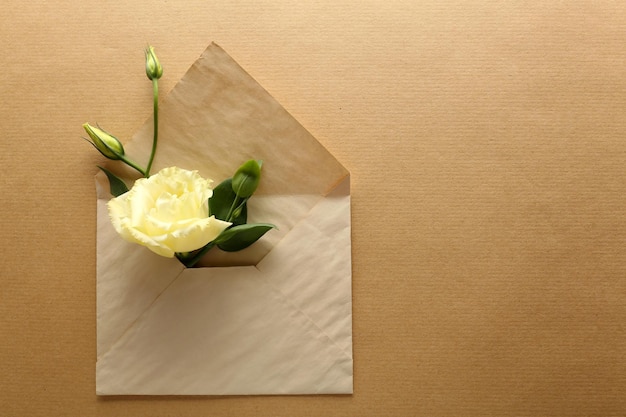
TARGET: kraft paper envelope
(272,319)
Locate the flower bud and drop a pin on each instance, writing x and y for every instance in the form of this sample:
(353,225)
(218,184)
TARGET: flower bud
(107,144)
(246,179)
(153,66)
(236,212)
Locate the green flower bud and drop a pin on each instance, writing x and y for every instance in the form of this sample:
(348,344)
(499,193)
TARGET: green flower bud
(153,66)
(236,212)
(246,179)
(107,144)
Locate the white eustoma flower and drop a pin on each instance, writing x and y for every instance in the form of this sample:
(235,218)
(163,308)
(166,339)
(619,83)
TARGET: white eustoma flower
(167,212)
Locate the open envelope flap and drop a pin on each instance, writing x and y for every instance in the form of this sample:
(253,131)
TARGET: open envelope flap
(283,327)
(217,117)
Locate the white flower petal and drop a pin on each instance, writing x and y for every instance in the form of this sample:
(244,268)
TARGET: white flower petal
(196,235)
(152,243)
(167,212)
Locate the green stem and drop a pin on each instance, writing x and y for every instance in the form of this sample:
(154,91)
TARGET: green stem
(240,205)
(134,165)
(189,263)
(232,208)
(155,91)
(235,202)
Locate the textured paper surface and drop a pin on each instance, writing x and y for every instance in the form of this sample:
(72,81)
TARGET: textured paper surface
(279,325)
(485,142)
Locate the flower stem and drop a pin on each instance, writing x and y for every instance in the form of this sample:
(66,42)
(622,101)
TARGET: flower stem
(155,91)
(232,208)
(236,203)
(134,165)
(191,262)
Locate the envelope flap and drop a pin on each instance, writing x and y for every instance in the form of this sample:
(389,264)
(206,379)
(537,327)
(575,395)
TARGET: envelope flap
(217,117)
(223,331)
(311,266)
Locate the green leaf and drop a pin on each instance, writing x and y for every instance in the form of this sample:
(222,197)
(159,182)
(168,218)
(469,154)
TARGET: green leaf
(118,187)
(246,179)
(223,199)
(240,237)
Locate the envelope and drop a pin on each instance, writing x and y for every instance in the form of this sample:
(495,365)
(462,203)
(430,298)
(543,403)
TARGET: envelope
(275,318)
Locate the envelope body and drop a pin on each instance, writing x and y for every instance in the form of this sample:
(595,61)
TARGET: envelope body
(275,318)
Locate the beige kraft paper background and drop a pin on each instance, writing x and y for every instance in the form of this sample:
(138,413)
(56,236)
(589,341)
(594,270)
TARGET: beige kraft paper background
(485,143)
